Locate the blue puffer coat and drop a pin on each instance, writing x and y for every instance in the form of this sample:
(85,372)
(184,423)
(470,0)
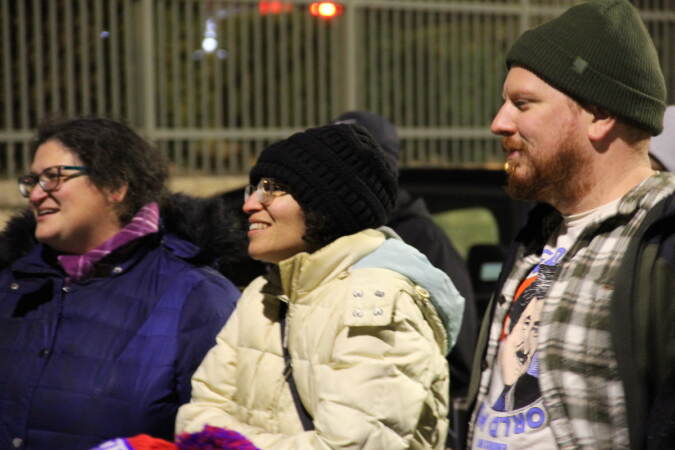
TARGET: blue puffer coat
(110,356)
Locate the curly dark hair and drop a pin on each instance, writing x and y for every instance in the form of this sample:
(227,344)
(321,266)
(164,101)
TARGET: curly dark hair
(318,230)
(115,155)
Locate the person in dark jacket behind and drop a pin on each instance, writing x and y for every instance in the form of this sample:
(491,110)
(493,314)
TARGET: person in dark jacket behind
(412,221)
(104,312)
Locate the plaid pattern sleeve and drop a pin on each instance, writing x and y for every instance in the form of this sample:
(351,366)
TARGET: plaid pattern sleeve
(579,379)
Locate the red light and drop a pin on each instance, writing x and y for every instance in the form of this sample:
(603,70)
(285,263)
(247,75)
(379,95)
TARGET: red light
(274,7)
(325,10)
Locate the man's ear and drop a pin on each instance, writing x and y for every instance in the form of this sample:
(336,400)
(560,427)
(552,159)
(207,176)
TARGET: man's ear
(118,195)
(602,124)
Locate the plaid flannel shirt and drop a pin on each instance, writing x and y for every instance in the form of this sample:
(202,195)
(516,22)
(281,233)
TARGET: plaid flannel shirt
(579,380)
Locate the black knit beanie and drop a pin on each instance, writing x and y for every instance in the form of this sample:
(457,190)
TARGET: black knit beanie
(600,53)
(336,170)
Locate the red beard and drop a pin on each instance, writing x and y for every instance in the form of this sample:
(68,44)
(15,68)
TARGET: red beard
(551,178)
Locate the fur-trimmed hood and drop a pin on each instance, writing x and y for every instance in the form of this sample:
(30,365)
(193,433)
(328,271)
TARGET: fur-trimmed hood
(214,224)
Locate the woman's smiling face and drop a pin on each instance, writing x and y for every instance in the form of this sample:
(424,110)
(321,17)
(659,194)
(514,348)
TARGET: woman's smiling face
(276,227)
(76,217)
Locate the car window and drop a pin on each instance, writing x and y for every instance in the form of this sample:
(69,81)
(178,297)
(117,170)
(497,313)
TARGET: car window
(467,227)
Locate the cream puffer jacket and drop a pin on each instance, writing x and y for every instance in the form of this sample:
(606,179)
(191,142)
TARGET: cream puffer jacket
(367,345)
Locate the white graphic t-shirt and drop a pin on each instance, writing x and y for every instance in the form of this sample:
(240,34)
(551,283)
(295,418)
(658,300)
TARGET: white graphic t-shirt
(513,416)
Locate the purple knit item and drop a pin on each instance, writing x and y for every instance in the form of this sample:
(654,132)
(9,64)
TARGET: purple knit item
(214,438)
(146,221)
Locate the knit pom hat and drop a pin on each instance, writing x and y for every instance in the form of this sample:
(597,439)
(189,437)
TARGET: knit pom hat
(600,53)
(337,170)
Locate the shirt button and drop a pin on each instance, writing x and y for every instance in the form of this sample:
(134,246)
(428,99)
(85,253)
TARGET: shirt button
(44,353)
(65,289)
(501,300)
(14,286)
(17,442)
(343,275)
(117,269)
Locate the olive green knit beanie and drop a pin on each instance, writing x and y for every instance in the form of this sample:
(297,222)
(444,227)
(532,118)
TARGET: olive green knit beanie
(599,52)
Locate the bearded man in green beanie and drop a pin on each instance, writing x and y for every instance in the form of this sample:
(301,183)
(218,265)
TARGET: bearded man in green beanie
(580,351)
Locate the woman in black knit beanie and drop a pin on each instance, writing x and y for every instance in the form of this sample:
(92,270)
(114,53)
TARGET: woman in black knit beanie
(343,342)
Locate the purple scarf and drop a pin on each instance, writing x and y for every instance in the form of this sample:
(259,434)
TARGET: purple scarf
(78,267)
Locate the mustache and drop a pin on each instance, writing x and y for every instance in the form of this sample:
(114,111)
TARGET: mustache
(511,144)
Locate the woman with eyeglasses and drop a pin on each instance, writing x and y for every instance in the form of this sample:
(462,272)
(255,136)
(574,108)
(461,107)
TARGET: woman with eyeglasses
(342,344)
(106,307)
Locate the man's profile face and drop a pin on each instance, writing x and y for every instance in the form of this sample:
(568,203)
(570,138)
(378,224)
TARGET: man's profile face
(519,345)
(541,130)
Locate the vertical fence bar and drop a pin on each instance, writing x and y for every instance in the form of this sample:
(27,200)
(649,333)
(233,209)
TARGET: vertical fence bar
(161,55)
(386,62)
(174,72)
(114,58)
(190,49)
(309,91)
(443,75)
(271,71)
(455,82)
(54,63)
(370,92)
(245,69)
(129,64)
(7,68)
(40,94)
(84,62)
(204,66)
(283,80)
(398,82)
(7,85)
(258,79)
(217,146)
(23,67)
(323,67)
(297,78)
(226,41)
(100,99)
(148,64)
(351,34)
(408,116)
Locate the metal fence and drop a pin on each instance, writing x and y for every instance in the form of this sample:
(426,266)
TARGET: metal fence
(212,82)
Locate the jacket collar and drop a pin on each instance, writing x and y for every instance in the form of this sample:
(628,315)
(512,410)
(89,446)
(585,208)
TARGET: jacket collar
(303,272)
(544,219)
